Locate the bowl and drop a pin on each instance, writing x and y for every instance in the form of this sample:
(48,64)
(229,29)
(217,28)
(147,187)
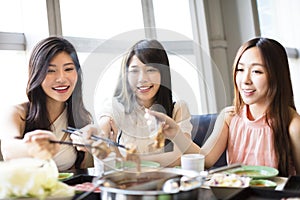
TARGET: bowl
(225,185)
(263,183)
(146,185)
(223,192)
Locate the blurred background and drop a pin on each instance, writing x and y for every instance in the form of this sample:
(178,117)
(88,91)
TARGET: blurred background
(201,37)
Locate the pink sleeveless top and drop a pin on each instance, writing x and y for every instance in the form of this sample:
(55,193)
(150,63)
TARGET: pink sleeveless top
(251,142)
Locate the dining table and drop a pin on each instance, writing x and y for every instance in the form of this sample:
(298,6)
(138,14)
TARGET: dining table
(202,193)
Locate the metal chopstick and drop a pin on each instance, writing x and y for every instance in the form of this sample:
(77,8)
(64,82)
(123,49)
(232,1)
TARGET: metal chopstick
(72,130)
(72,143)
(224,168)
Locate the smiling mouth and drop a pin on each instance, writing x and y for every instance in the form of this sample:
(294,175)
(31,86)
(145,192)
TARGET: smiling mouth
(247,92)
(144,88)
(61,89)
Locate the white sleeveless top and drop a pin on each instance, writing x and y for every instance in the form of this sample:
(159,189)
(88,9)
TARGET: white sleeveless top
(134,128)
(66,156)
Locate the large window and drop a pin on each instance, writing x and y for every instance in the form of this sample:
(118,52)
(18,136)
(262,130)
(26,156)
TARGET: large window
(13,62)
(113,29)
(101,31)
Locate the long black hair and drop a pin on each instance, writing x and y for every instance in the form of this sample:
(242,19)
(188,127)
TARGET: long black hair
(37,115)
(149,52)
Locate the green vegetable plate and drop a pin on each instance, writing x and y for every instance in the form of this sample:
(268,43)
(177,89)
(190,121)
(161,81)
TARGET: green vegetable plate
(262,183)
(63,176)
(255,172)
(144,164)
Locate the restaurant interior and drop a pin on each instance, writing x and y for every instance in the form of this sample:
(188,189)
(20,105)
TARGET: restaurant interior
(201,38)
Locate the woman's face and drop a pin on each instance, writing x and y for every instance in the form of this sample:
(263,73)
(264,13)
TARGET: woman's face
(61,78)
(251,78)
(144,81)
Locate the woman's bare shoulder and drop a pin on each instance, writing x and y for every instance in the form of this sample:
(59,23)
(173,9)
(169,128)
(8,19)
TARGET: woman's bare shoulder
(18,110)
(294,127)
(229,113)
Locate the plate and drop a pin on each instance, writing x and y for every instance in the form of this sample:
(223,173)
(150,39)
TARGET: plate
(63,176)
(144,164)
(47,198)
(255,172)
(263,183)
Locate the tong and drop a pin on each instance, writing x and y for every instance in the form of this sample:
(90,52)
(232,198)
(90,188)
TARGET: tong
(76,131)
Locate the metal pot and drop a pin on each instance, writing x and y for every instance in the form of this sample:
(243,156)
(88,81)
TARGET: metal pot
(145,185)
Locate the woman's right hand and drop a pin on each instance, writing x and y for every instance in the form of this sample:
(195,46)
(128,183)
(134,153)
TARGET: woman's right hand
(39,145)
(84,136)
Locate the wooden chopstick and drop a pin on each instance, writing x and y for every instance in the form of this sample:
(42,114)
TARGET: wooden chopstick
(72,130)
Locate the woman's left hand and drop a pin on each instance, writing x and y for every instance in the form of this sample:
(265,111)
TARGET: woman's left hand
(84,136)
(170,127)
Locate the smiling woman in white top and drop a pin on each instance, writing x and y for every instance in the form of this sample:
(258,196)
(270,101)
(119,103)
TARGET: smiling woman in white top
(54,92)
(145,83)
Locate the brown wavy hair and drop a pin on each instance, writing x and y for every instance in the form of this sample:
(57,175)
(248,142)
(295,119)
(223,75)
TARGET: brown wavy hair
(278,115)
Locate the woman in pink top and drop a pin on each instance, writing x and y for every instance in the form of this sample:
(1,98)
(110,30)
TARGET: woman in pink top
(262,127)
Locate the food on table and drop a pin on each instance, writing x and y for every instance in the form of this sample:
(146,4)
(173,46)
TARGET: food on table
(159,139)
(85,187)
(102,150)
(228,180)
(155,126)
(30,177)
(262,183)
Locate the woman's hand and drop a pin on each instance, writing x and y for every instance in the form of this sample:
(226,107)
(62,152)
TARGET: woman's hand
(83,136)
(39,145)
(170,127)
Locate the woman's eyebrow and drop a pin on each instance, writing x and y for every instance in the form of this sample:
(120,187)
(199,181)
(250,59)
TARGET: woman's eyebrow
(66,64)
(251,64)
(133,66)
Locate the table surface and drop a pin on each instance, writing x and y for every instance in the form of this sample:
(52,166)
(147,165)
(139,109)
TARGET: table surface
(204,193)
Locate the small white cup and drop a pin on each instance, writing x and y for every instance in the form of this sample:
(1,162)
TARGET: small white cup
(193,162)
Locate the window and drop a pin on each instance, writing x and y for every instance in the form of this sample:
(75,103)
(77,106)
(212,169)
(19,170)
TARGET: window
(276,23)
(100,19)
(11,16)
(101,31)
(173,15)
(13,78)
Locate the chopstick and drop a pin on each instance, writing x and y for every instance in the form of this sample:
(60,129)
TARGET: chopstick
(224,168)
(72,130)
(72,143)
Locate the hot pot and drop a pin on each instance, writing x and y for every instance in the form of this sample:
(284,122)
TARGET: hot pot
(145,185)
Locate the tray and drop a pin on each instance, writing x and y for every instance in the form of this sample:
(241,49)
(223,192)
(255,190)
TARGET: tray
(292,184)
(262,194)
(82,178)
